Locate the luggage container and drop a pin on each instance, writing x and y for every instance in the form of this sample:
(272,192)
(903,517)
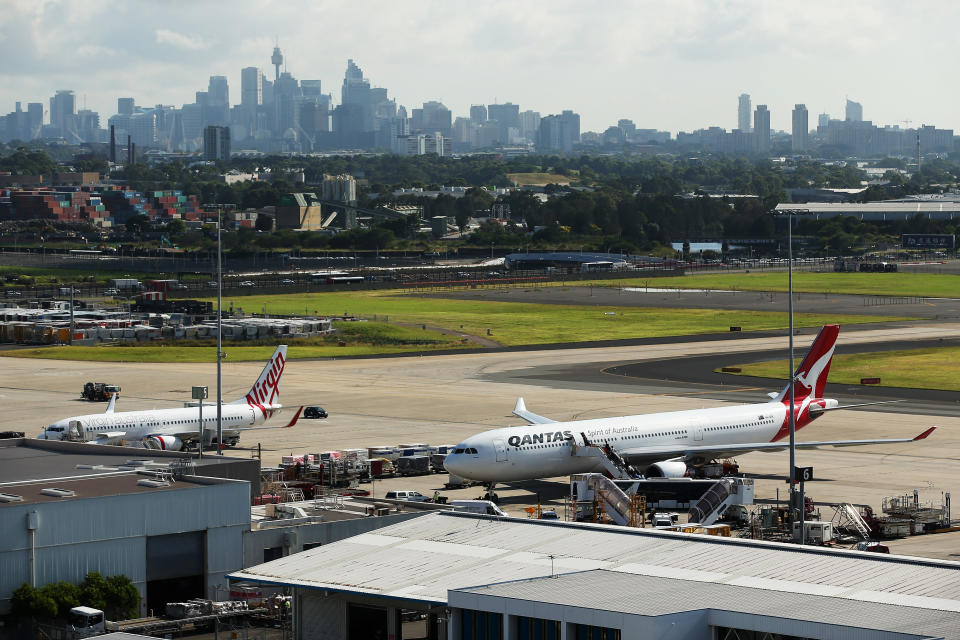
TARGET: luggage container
(436,462)
(413,465)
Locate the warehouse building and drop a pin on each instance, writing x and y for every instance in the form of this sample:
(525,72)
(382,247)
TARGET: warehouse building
(65,513)
(174,524)
(471,577)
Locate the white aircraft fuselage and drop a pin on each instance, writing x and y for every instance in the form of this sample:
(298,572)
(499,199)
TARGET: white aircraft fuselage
(545,450)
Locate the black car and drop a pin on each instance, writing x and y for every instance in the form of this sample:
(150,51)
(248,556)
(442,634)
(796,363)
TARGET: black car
(314,412)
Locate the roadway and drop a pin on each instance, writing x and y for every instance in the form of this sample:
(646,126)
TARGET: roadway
(442,399)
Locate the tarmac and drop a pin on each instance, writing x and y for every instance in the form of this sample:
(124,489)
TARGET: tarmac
(442,399)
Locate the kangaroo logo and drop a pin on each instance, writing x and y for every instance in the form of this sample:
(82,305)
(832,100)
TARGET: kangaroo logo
(810,378)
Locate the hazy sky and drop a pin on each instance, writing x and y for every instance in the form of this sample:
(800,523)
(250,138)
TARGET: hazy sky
(672,65)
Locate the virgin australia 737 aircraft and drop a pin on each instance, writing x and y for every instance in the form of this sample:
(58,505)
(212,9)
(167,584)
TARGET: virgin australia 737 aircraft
(657,444)
(173,428)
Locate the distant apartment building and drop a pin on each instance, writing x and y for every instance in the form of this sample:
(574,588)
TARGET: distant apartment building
(743,112)
(419,144)
(801,128)
(216,143)
(761,128)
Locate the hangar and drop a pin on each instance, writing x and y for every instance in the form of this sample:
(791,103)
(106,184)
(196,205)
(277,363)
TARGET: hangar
(473,577)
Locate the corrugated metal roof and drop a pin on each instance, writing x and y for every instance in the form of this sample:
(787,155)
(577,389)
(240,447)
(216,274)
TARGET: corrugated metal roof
(653,596)
(424,557)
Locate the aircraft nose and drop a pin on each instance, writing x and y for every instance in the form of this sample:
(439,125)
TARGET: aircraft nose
(453,463)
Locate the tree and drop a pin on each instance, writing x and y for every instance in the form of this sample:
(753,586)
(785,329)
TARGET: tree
(30,602)
(123,598)
(64,594)
(93,591)
(137,223)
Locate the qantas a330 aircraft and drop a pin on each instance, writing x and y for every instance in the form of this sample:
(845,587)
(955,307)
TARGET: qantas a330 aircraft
(658,444)
(173,428)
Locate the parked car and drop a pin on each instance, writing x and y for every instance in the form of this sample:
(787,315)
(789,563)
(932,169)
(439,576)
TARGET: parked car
(409,496)
(246,283)
(314,412)
(12,293)
(287,281)
(212,284)
(111,292)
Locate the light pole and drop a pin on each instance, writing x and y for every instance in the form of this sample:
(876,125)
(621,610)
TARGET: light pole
(220,354)
(794,496)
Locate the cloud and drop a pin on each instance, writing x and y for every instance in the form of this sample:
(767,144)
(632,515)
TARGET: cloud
(179,40)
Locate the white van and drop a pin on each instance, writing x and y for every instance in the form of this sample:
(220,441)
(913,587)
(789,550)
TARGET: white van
(477,506)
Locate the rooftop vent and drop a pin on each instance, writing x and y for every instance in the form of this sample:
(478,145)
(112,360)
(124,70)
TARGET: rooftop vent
(58,493)
(9,497)
(146,482)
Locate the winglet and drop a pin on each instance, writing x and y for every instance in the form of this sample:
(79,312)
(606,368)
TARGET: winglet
(295,418)
(112,404)
(521,406)
(924,434)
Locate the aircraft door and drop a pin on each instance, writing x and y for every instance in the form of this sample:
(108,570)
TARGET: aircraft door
(75,429)
(501,448)
(698,432)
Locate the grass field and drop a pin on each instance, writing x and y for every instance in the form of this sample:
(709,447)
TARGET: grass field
(539,179)
(915,368)
(508,323)
(516,323)
(929,285)
(359,338)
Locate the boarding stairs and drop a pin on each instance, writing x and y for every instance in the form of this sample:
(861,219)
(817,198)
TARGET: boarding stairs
(847,517)
(712,504)
(612,461)
(612,499)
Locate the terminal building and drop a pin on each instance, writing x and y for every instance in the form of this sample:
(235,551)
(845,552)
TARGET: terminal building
(475,577)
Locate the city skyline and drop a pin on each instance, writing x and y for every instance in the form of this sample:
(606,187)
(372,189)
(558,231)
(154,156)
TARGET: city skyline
(496,53)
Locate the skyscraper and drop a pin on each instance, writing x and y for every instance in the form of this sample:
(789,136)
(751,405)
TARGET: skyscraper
(801,128)
(125,106)
(216,143)
(507,116)
(761,127)
(854,111)
(251,87)
(559,133)
(823,120)
(743,112)
(478,113)
(63,109)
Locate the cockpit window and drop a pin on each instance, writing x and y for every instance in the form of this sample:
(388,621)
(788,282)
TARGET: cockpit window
(458,450)
(57,429)
(471,450)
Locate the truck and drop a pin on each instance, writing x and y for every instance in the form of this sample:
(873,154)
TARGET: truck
(413,465)
(86,621)
(99,391)
(126,284)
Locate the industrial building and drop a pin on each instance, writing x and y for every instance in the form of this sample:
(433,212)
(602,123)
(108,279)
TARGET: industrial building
(67,509)
(468,577)
(889,211)
(573,260)
(174,524)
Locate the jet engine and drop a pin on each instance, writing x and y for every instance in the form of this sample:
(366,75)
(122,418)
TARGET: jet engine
(169,443)
(668,469)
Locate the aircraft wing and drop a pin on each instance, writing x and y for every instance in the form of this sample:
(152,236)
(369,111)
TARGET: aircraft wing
(108,437)
(649,455)
(521,412)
